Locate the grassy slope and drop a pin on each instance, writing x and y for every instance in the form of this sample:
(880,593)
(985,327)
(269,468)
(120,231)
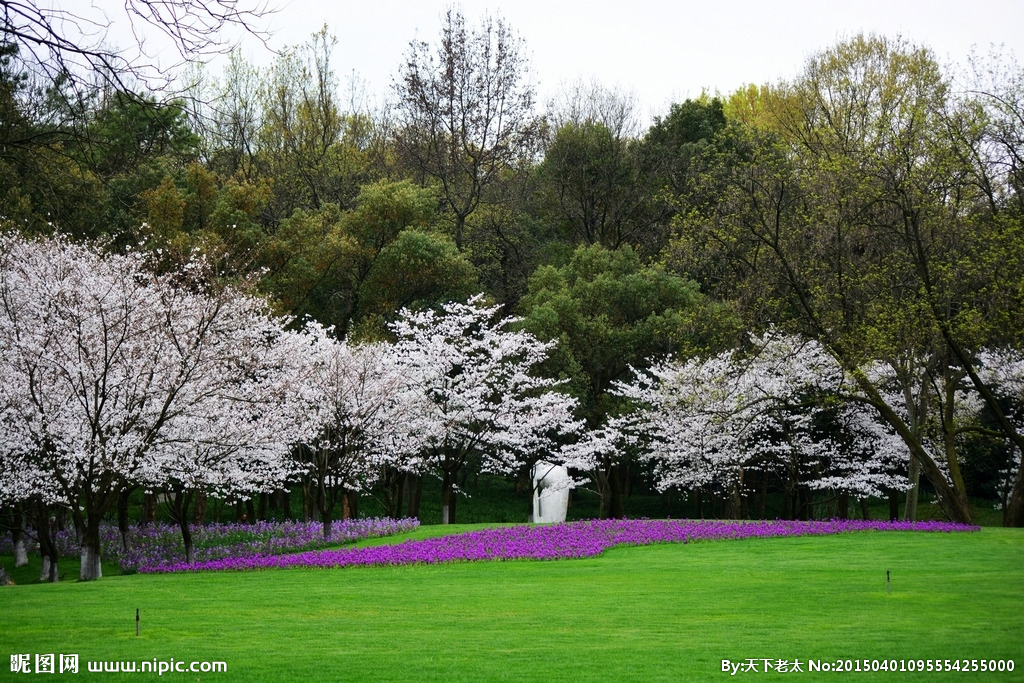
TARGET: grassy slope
(669,612)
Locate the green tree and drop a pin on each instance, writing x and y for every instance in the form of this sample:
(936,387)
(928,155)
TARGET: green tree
(354,269)
(43,184)
(856,221)
(316,152)
(594,183)
(672,142)
(609,313)
(465,112)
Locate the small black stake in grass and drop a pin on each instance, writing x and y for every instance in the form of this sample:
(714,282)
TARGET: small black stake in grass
(137,629)
(888,582)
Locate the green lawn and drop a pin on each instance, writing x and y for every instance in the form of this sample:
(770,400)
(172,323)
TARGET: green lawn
(670,612)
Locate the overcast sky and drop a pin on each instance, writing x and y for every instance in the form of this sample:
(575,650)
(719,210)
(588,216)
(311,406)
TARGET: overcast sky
(662,51)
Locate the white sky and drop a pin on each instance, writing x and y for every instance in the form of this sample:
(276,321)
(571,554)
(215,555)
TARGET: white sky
(662,51)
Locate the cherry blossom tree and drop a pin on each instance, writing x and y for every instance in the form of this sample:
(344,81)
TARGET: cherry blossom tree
(234,436)
(1003,370)
(357,394)
(475,400)
(113,375)
(707,422)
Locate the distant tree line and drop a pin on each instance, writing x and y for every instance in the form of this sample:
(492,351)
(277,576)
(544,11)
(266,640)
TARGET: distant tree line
(809,289)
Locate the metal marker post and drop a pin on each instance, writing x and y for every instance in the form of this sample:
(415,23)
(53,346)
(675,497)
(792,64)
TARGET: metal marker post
(888,582)
(137,628)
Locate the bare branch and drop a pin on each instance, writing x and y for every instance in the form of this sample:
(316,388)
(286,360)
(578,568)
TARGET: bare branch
(74,46)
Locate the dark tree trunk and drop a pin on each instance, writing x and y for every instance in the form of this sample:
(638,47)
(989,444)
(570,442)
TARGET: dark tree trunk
(148,510)
(843,505)
(199,510)
(397,498)
(122,516)
(802,506)
(415,495)
(307,500)
(180,502)
(788,499)
(17,525)
(325,501)
(763,499)
(615,509)
(46,530)
(286,502)
(351,504)
(448,497)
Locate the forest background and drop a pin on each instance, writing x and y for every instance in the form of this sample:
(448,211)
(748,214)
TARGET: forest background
(871,204)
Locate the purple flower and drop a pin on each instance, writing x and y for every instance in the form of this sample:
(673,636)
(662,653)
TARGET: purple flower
(548,542)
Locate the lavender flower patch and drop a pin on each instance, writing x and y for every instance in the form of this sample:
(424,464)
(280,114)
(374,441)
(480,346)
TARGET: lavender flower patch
(552,542)
(161,544)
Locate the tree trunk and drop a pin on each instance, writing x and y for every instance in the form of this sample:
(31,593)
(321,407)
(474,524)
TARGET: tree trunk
(286,503)
(48,570)
(148,510)
(397,500)
(1014,513)
(604,498)
(325,500)
(46,531)
(325,511)
(616,509)
(788,499)
(914,475)
(448,498)
(953,504)
(122,516)
(90,568)
(186,538)
(199,510)
(763,502)
(415,495)
(20,551)
(802,508)
(17,526)
(949,435)
(180,503)
(351,504)
(307,500)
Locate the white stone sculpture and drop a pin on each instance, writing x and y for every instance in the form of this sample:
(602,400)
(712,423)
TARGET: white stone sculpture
(551,485)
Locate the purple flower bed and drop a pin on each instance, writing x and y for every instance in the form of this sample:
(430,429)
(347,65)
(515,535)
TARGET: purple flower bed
(160,544)
(552,542)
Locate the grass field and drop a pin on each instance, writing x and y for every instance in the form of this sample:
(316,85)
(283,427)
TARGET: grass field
(668,612)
